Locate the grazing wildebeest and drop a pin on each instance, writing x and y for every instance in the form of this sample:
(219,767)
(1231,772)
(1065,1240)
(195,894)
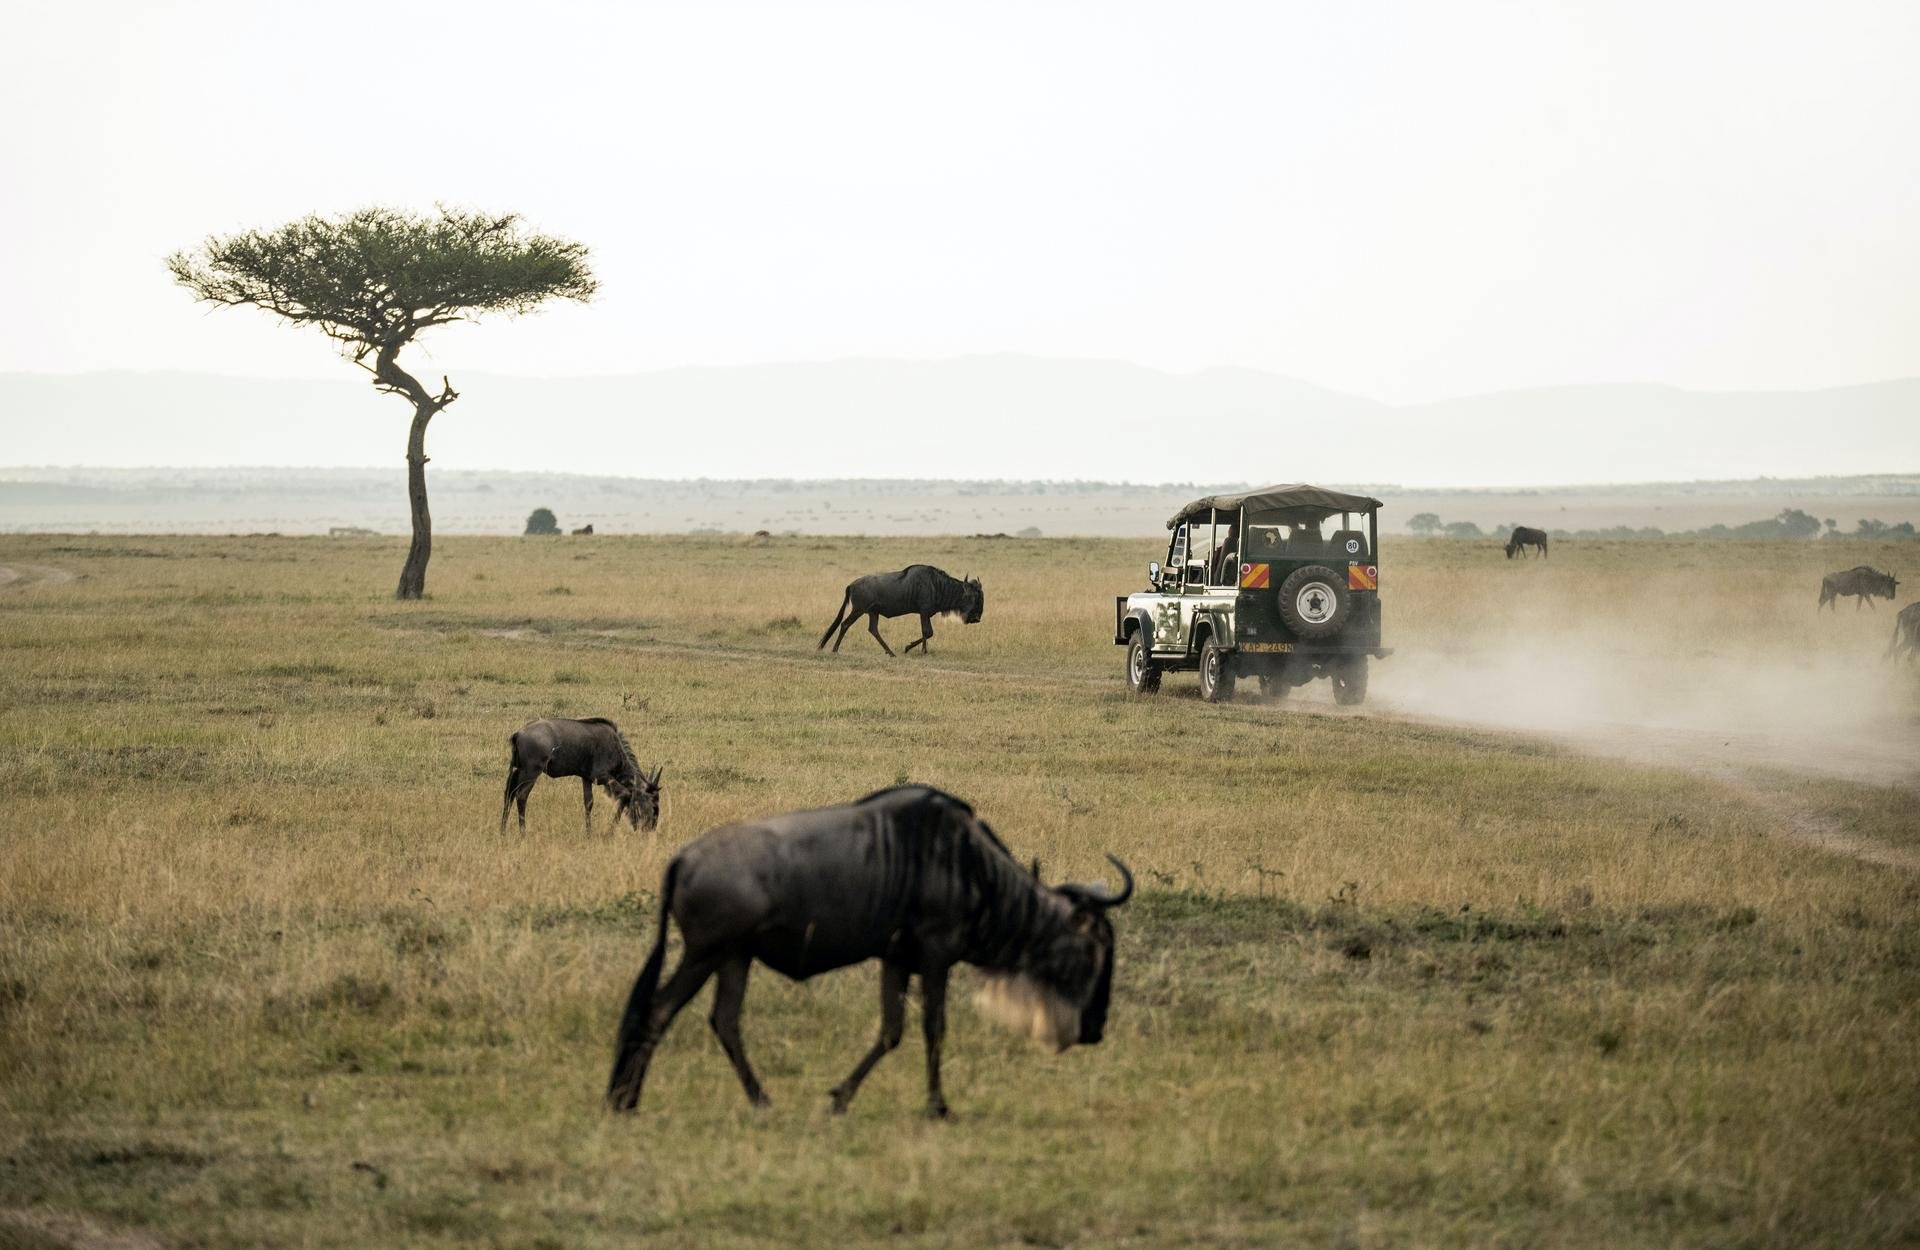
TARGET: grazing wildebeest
(595,751)
(1906,633)
(918,589)
(1862,581)
(907,875)
(1526,536)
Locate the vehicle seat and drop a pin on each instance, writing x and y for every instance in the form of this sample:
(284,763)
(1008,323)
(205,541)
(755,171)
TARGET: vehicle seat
(1338,545)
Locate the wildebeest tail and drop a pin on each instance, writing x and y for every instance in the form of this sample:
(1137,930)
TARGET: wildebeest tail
(622,1084)
(1894,643)
(845,601)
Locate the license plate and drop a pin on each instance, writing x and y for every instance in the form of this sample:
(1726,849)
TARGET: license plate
(1266,646)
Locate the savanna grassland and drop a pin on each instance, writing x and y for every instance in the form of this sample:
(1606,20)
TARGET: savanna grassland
(269,974)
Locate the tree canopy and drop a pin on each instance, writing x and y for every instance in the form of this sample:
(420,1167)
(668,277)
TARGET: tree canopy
(375,278)
(371,280)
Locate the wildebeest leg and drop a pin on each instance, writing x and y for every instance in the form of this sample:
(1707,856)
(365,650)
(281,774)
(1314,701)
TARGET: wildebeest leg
(893,1022)
(513,781)
(729,992)
(873,627)
(586,797)
(520,799)
(926,632)
(631,1071)
(845,600)
(933,1023)
(849,624)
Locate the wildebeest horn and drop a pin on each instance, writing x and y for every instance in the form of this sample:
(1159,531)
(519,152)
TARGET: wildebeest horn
(1099,895)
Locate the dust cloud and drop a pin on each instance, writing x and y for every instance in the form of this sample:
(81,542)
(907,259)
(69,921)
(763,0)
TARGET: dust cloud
(1815,698)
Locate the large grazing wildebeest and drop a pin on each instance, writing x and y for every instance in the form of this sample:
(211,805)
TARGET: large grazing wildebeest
(595,751)
(1526,536)
(907,875)
(917,589)
(1862,581)
(1906,633)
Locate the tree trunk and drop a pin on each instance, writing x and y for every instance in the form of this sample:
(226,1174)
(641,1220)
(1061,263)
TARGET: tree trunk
(389,376)
(413,574)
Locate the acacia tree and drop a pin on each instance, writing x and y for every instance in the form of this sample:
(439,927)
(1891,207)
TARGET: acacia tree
(374,279)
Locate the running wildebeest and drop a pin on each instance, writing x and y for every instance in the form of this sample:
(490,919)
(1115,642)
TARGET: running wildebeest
(918,589)
(1526,536)
(1906,633)
(1862,581)
(907,875)
(595,751)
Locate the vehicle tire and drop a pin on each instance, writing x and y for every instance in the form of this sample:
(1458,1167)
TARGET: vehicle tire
(1350,681)
(1216,672)
(1314,602)
(1143,675)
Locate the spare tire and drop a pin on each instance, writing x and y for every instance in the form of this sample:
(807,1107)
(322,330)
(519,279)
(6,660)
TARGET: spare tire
(1314,602)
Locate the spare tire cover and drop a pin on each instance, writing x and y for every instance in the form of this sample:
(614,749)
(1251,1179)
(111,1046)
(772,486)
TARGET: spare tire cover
(1314,602)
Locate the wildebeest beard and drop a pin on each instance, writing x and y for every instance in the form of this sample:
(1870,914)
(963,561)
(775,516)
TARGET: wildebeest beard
(972,602)
(1024,1005)
(1039,1001)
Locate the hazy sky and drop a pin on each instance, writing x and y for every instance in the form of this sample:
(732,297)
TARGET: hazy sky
(1406,201)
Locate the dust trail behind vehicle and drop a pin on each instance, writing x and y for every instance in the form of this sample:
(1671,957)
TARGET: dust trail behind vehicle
(1672,659)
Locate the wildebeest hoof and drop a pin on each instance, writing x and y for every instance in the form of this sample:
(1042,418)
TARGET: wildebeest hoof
(938,1111)
(841,1100)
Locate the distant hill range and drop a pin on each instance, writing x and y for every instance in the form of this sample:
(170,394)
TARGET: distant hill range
(306,501)
(978,418)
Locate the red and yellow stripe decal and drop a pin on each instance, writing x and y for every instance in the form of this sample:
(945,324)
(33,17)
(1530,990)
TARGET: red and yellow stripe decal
(1363,577)
(1253,576)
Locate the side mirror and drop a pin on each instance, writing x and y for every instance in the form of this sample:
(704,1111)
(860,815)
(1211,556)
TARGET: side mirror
(1153,571)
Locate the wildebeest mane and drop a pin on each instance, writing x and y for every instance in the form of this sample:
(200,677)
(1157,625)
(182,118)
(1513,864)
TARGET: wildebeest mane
(626,748)
(932,792)
(952,590)
(1009,897)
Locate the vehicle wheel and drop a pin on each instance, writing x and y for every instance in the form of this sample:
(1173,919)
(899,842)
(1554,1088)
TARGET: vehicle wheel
(1350,681)
(1143,676)
(1314,602)
(1216,672)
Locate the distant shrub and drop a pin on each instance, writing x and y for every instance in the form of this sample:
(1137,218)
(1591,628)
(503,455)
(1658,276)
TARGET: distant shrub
(1462,529)
(1032,531)
(542,521)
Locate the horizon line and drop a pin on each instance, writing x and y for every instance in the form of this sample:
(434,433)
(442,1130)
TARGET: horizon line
(1122,484)
(1121,362)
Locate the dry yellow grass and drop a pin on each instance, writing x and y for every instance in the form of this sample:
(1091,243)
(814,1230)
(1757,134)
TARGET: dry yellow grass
(269,975)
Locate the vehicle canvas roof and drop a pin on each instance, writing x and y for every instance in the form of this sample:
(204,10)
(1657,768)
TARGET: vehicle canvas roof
(1315,499)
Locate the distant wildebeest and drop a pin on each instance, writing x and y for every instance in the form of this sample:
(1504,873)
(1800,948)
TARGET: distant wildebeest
(1861,581)
(918,589)
(907,875)
(1906,633)
(595,751)
(1526,536)
(584,529)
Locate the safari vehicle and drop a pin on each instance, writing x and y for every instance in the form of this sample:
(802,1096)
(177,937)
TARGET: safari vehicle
(1280,584)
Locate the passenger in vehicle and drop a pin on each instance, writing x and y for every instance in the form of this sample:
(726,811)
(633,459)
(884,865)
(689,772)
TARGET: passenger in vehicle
(1226,561)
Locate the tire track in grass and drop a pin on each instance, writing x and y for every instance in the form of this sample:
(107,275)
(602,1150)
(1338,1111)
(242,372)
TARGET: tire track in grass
(21,576)
(1669,750)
